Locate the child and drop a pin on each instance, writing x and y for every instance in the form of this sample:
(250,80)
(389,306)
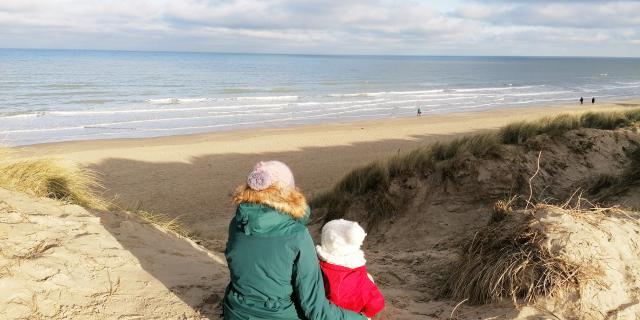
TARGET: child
(346,281)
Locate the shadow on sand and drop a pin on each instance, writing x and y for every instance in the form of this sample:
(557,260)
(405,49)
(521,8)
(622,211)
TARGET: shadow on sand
(198,193)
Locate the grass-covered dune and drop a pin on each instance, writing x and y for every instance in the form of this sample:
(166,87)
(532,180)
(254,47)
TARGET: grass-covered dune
(69,183)
(50,178)
(517,144)
(570,263)
(508,217)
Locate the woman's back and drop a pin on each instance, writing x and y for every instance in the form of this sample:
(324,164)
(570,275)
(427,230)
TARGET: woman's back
(262,248)
(275,273)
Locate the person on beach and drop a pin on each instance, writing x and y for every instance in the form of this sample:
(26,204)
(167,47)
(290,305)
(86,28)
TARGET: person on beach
(346,280)
(581,100)
(419,112)
(593,100)
(274,271)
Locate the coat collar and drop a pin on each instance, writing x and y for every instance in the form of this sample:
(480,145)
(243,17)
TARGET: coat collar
(288,201)
(258,219)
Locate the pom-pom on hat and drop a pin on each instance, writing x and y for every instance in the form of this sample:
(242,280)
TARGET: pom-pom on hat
(268,173)
(340,243)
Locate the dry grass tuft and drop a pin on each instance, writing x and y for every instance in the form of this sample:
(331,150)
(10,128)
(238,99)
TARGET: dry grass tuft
(164,222)
(37,250)
(5,271)
(48,178)
(508,259)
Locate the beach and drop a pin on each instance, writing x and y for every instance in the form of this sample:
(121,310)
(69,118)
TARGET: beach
(379,160)
(419,220)
(51,98)
(192,176)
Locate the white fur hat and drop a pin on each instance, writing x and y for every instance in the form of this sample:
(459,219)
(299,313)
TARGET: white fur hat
(340,243)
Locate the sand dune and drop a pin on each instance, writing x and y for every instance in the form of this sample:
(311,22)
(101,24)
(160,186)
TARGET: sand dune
(61,261)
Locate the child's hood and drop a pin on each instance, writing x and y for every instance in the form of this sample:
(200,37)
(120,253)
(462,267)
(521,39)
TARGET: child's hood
(340,243)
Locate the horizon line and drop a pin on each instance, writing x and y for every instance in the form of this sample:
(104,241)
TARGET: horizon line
(322,54)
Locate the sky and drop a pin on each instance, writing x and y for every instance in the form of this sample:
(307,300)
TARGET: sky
(377,27)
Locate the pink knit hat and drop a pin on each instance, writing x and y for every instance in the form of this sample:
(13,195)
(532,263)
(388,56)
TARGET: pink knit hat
(268,173)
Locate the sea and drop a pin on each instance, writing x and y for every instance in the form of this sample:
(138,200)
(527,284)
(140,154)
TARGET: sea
(64,95)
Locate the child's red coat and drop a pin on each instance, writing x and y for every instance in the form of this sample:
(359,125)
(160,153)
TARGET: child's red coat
(351,289)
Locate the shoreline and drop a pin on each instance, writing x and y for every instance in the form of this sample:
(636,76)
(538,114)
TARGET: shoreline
(92,144)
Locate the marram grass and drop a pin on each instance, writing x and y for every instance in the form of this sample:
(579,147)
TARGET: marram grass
(164,222)
(443,158)
(69,183)
(51,179)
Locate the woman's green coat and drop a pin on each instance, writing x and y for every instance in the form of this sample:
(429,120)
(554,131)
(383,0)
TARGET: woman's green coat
(274,269)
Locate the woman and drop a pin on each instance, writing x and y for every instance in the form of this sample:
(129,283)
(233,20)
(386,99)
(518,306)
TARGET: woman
(274,268)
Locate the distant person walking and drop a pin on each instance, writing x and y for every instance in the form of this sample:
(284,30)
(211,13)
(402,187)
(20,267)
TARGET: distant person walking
(593,100)
(419,112)
(581,100)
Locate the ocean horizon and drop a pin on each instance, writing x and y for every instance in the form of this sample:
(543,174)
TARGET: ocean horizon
(50,95)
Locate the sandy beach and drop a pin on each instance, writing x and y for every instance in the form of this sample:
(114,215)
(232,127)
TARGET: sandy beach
(191,176)
(272,160)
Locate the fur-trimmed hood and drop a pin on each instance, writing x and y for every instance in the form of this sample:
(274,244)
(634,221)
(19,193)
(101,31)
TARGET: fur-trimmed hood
(290,201)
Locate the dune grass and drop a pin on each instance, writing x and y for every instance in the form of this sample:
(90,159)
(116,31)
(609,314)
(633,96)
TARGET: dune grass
(52,179)
(69,183)
(164,222)
(442,159)
(519,132)
(510,259)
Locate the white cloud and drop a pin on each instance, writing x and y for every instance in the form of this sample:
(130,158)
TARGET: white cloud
(324,26)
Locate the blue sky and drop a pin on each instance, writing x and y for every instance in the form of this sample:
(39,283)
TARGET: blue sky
(410,27)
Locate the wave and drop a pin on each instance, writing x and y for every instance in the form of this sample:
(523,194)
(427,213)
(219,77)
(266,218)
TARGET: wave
(633,83)
(336,102)
(360,94)
(41,130)
(10,115)
(218,116)
(438,91)
(175,100)
(497,88)
(159,110)
(196,100)
(89,101)
(239,90)
(266,98)
(65,85)
(65,93)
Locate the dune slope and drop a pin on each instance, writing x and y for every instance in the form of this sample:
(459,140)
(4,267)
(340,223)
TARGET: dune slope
(419,219)
(60,261)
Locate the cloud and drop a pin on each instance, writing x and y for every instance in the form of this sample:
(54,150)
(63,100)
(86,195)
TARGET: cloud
(577,14)
(324,26)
